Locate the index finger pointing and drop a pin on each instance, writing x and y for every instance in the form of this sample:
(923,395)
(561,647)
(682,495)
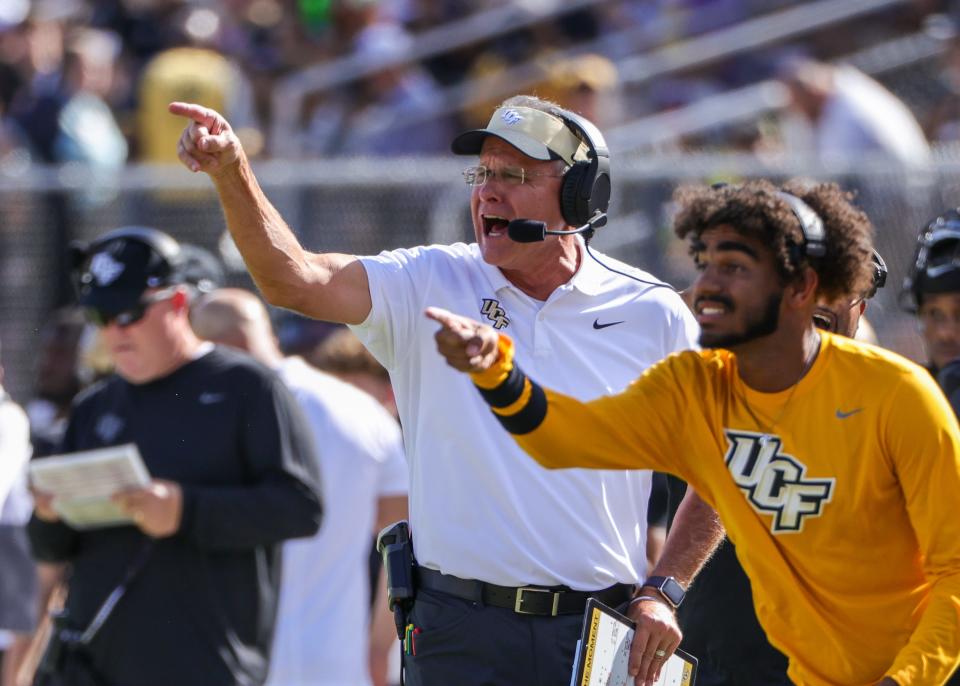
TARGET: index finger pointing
(444,317)
(198,113)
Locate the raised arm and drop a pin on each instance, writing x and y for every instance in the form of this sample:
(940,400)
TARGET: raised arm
(634,429)
(328,286)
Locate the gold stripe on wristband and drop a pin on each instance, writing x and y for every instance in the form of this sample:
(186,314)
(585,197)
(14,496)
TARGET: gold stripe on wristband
(519,403)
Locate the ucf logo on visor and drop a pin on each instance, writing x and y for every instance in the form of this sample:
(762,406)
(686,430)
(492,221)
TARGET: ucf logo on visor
(511,117)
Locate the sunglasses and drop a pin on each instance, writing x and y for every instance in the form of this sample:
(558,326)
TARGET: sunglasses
(132,315)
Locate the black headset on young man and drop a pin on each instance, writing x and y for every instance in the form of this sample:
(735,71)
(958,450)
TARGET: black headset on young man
(584,190)
(811,225)
(814,236)
(815,240)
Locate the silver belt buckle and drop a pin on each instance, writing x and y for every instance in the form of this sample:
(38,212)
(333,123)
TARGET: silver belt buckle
(518,605)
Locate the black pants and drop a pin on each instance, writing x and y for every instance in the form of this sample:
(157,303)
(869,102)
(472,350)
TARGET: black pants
(749,673)
(469,644)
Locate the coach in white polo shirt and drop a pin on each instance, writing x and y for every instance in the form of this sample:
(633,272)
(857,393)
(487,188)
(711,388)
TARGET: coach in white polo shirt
(487,525)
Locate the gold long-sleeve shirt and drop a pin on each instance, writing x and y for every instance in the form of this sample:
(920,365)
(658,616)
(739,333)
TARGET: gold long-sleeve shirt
(845,512)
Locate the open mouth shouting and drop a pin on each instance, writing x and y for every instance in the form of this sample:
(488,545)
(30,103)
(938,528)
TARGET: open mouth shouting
(494,225)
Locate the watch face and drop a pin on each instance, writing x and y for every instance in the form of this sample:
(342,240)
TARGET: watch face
(673,590)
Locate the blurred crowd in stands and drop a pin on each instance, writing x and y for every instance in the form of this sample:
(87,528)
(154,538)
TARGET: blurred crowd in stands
(89,80)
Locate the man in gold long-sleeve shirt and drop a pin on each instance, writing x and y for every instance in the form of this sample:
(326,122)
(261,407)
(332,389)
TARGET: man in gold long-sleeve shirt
(834,465)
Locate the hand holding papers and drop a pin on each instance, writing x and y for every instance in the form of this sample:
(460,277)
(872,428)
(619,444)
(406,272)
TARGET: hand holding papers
(604,651)
(82,484)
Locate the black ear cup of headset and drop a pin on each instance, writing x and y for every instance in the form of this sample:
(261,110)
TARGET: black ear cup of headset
(814,237)
(879,275)
(585,190)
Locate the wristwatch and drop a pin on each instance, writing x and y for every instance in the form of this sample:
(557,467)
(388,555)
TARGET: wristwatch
(668,587)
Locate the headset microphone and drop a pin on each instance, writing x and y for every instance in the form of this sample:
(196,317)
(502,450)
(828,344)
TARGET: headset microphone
(532,231)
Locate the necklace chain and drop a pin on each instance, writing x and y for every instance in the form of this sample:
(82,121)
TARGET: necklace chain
(768,428)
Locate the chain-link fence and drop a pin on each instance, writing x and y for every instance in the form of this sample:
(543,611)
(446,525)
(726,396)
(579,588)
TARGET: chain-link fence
(364,206)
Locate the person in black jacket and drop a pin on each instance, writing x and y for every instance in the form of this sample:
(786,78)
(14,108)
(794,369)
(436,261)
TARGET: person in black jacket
(197,570)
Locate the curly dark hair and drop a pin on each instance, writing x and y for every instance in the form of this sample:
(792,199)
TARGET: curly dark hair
(755,210)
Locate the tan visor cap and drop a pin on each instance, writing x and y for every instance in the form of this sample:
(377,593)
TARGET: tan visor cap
(535,133)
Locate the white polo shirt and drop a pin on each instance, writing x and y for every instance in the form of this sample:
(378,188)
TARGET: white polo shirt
(322,630)
(479,507)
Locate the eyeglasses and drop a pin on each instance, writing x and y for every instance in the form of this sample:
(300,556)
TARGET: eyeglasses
(511,176)
(132,315)
(826,318)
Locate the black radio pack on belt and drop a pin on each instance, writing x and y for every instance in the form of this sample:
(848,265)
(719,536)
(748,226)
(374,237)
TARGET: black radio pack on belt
(396,547)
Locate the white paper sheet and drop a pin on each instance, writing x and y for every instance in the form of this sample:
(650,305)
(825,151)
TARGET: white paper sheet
(82,483)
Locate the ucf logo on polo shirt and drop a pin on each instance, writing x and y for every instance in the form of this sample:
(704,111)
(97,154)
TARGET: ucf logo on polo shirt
(775,482)
(491,310)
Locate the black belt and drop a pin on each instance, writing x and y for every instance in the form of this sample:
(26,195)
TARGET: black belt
(526,600)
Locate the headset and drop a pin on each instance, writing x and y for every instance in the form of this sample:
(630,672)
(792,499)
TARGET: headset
(584,195)
(811,225)
(815,242)
(814,237)
(937,257)
(879,275)
(584,190)
(168,262)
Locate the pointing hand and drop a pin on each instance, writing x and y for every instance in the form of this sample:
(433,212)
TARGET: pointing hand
(467,345)
(207,144)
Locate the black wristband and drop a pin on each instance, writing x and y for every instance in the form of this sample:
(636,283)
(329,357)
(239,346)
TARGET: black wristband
(506,393)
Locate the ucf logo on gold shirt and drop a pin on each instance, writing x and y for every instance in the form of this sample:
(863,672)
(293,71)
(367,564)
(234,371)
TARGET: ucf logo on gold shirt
(774,482)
